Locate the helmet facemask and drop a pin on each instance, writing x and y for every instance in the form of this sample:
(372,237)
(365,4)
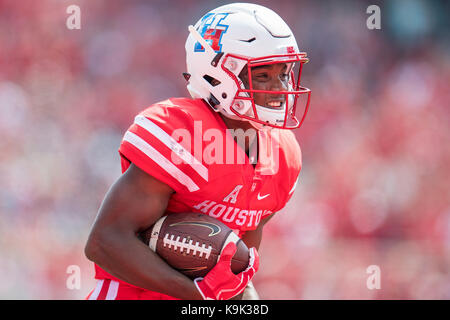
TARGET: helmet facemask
(283,116)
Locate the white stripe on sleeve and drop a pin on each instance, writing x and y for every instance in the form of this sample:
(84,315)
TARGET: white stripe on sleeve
(173,145)
(162,161)
(293,188)
(112,290)
(97,290)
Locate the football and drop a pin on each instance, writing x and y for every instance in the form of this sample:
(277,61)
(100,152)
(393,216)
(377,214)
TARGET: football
(192,242)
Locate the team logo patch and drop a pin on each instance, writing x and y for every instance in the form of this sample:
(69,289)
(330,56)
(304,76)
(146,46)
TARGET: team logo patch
(212,28)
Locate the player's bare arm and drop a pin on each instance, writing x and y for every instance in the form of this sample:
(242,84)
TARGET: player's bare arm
(134,202)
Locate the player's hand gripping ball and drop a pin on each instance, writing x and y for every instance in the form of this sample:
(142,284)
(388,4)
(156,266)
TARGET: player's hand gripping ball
(192,242)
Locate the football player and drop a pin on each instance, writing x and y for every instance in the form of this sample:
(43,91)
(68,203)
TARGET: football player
(226,152)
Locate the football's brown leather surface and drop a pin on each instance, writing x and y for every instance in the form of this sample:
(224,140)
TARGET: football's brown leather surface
(192,242)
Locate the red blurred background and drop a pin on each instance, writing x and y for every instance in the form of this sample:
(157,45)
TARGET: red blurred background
(374,188)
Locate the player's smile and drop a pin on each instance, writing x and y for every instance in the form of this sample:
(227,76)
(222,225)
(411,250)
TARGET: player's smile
(275,104)
(272,77)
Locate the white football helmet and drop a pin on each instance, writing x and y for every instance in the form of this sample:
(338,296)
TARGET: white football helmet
(238,35)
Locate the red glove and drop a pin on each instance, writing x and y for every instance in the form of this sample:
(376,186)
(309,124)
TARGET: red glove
(221,283)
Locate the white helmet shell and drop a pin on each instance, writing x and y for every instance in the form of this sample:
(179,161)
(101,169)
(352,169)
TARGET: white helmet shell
(222,43)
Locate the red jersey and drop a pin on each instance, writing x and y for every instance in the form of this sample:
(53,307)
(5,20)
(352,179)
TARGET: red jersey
(185,144)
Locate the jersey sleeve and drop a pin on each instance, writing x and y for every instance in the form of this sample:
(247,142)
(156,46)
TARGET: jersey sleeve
(161,143)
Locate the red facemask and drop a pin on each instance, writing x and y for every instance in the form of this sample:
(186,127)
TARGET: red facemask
(284,118)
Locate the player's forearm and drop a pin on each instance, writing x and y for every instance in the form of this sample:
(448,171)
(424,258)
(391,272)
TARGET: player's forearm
(250,292)
(253,238)
(130,260)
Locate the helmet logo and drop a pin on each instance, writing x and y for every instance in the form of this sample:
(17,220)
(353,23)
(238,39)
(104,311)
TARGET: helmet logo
(212,30)
(290,49)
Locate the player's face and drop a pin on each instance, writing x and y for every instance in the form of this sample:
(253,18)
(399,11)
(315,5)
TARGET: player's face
(273,77)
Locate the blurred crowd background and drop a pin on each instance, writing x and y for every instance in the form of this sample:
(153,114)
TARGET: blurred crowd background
(374,188)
